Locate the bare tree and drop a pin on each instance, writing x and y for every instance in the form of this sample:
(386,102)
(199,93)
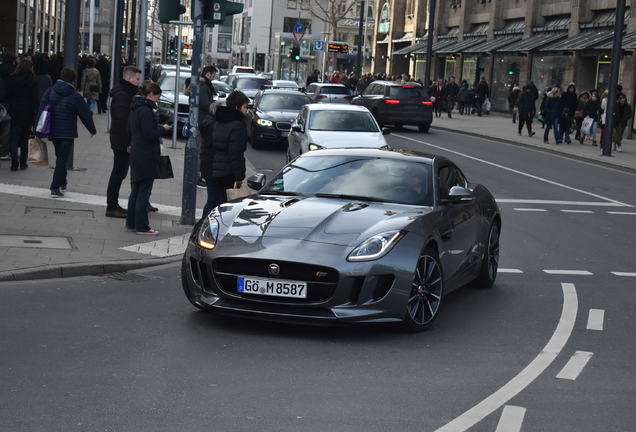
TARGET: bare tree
(332,12)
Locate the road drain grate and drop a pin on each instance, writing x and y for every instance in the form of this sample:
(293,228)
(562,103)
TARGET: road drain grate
(57,212)
(129,277)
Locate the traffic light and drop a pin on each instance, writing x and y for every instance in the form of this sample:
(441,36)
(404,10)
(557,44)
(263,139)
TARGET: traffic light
(173,45)
(170,10)
(215,11)
(294,54)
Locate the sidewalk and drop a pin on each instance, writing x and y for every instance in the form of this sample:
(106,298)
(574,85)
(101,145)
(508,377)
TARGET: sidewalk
(42,237)
(500,127)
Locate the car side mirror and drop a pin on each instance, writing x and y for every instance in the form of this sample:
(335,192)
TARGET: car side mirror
(460,194)
(250,105)
(222,95)
(386,131)
(257,181)
(297,128)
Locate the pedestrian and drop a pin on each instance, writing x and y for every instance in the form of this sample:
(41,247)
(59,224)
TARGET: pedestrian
(483,93)
(121,97)
(67,105)
(313,78)
(542,113)
(439,93)
(592,109)
(579,114)
(553,114)
(103,66)
(622,116)
(569,103)
(207,92)
(42,78)
(91,85)
(452,90)
(603,119)
(513,97)
(463,98)
(527,110)
(7,65)
(224,141)
(145,155)
(23,108)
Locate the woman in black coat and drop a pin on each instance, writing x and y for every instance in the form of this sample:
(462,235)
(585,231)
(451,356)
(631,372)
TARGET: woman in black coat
(145,153)
(224,142)
(23,108)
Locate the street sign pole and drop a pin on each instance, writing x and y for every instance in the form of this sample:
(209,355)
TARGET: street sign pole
(175,119)
(429,43)
(141,38)
(363,5)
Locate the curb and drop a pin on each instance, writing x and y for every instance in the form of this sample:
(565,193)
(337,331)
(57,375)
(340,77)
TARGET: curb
(82,269)
(545,150)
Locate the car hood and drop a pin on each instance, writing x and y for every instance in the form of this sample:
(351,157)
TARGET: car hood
(323,220)
(168,96)
(289,116)
(329,139)
(250,93)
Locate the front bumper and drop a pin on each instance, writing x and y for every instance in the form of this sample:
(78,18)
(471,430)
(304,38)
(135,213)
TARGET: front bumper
(273,134)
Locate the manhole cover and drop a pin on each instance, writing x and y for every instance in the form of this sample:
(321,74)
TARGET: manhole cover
(39,242)
(58,212)
(129,277)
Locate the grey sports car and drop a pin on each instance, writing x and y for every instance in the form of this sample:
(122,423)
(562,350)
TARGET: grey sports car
(346,235)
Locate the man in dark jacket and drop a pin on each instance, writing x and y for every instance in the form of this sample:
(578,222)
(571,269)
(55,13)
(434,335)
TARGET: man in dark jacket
(570,103)
(206,90)
(483,92)
(452,90)
(622,117)
(67,105)
(23,108)
(121,98)
(527,109)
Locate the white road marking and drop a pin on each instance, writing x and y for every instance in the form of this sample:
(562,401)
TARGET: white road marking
(625,274)
(595,319)
(509,270)
(578,211)
(511,419)
(161,248)
(524,378)
(569,272)
(524,209)
(532,176)
(622,213)
(575,365)
(553,202)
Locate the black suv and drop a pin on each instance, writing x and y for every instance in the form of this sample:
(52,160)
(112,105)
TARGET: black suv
(398,104)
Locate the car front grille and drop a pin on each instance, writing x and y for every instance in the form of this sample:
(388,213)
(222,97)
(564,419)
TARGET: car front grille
(283,126)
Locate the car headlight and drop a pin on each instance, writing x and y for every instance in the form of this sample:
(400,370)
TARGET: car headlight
(262,122)
(208,233)
(376,246)
(313,146)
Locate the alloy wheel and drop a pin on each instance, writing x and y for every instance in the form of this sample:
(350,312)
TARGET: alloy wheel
(493,251)
(426,292)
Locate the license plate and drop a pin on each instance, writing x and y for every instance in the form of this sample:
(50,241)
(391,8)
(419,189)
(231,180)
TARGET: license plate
(284,133)
(272,287)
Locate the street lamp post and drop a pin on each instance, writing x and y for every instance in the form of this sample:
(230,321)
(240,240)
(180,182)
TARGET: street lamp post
(363,5)
(429,42)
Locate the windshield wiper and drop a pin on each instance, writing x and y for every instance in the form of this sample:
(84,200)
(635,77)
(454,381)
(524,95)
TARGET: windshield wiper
(350,197)
(285,193)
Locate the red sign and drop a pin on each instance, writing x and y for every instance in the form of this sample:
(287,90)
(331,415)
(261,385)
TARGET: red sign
(298,36)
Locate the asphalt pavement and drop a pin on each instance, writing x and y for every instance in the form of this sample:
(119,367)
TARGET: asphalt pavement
(548,348)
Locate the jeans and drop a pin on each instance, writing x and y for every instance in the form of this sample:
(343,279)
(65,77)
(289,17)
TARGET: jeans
(566,125)
(514,115)
(121,161)
(91,104)
(137,217)
(216,194)
(553,123)
(19,144)
(527,120)
(62,149)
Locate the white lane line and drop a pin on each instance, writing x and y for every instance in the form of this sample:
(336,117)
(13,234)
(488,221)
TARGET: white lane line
(524,378)
(524,209)
(553,202)
(595,319)
(624,274)
(511,419)
(161,248)
(509,270)
(575,365)
(578,211)
(622,213)
(532,176)
(569,272)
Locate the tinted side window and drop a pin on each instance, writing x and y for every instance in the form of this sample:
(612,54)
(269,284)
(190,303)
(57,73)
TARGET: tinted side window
(449,176)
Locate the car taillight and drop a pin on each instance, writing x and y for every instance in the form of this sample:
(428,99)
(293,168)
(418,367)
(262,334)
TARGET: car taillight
(391,101)
(428,103)
(321,97)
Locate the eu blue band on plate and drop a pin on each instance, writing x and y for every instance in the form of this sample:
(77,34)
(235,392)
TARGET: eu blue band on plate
(241,284)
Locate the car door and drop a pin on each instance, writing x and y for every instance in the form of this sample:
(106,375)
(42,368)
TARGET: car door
(294,138)
(460,232)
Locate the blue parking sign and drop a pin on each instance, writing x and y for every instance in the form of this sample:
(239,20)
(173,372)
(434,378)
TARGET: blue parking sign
(319,45)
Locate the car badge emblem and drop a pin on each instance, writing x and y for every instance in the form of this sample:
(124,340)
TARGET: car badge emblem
(273,269)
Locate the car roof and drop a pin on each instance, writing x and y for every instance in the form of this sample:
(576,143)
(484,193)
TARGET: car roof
(337,107)
(329,84)
(282,92)
(384,153)
(395,84)
(284,82)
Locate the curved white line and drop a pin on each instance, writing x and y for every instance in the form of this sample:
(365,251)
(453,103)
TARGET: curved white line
(530,373)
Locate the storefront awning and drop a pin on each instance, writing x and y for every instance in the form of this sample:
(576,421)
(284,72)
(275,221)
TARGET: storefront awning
(515,26)
(384,41)
(491,45)
(405,50)
(533,42)
(558,23)
(408,37)
(581,41)
(459,47)
(629,42)
(422,47)
(452,33)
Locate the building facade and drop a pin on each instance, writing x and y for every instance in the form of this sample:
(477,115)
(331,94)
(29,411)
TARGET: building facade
(549,42)
(31,25)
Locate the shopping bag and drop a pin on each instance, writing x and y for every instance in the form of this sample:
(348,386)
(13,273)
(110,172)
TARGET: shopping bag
(43,126)
(38,152)
(586,126)
(165,167)
(486,106)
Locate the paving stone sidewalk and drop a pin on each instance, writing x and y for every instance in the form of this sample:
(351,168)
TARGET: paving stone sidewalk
(45,237)
(500,127)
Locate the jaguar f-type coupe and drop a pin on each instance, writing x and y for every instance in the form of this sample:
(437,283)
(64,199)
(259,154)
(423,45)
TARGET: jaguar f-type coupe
(346,235)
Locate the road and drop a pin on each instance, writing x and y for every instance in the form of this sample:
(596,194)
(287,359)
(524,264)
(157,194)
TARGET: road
(548,348)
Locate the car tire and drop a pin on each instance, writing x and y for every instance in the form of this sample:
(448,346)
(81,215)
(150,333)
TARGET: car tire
(426,293)
(424,128)
(490,259)
(192,298)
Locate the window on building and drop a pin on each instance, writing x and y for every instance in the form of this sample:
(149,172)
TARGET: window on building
(305,5)
(291,4)
(289,24)
(410,7)
(455,4)
(224,44)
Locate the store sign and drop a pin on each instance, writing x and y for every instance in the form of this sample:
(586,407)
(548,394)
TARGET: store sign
(385,18)
(337,48)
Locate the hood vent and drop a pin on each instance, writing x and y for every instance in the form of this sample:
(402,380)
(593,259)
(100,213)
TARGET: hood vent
(354,207)
(289,202)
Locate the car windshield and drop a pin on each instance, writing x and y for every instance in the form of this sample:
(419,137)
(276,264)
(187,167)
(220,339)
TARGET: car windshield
(251,83)
(407,92)
(342,121)
(334,90)
(222,87)
(356,177)
(291,102)
(167,84)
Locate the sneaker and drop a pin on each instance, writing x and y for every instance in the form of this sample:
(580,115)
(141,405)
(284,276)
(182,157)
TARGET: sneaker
(63,187)
(619,149)
(149,232)
(5,157)
(531,133)
(201,183)
(116,212)
(56,193)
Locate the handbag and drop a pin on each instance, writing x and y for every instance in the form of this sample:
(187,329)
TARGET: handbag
(586,126)
(165,168)
(578,114)
(38,152)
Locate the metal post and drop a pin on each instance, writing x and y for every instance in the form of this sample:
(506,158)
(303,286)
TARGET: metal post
(616,58)
(131,36)
(364,46)
(363,5)
(114,47)
(191,160)
(91,25)
(429,42)
(324,57)
(141,38)
(71,33)
(175,120)
(118,37)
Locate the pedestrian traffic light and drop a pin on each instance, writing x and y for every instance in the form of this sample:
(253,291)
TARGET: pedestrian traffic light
(294,54)
(170,10)
(215,11)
